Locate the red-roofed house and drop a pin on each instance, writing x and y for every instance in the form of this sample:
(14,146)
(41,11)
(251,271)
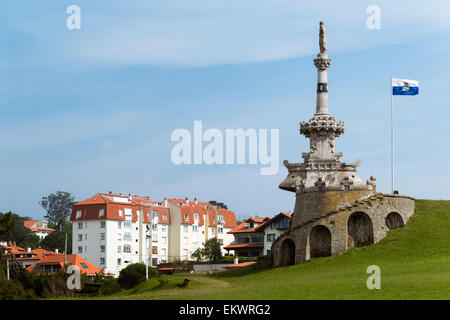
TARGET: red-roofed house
(38,227)
(248,238)
(54,263)
(254,237)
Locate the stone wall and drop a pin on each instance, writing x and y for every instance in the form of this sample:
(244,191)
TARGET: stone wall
(365,217)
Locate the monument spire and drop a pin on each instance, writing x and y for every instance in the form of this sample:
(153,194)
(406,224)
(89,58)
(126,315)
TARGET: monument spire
(322,63)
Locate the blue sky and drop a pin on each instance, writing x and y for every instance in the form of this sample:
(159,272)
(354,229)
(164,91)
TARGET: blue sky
(92,110)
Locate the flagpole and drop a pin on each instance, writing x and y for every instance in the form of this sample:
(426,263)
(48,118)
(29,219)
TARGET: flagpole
(392,139)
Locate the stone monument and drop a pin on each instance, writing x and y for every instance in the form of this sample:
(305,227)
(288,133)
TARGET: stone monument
(334,210)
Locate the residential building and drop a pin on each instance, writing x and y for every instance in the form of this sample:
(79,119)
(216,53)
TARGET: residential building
(273,228)
(54,263)
(38,227)
(193,223)
(248,238)
(29,256)
(113,230)
(254,237)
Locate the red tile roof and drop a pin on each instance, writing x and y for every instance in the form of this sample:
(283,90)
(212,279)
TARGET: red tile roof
(239,265)
(244,226)
(244,245)
(72,259)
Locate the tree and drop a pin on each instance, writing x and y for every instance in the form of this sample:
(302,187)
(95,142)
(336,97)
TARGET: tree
(6,223)
(57,240)
(211,251)
(219,204)
(132,275)
(58,207)
(20,234)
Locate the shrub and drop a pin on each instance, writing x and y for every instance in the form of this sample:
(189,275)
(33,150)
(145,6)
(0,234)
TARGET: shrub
(132,275)
(109,286)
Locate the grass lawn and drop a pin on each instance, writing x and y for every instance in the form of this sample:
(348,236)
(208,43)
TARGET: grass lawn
(414,262)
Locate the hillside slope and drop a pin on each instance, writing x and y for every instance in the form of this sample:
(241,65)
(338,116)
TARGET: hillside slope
(414,262)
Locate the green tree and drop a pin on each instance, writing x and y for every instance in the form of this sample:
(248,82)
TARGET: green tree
(56,240)
(20,234)
(58,207)
(219,204)
(211,250)
(6,223)
(198,254)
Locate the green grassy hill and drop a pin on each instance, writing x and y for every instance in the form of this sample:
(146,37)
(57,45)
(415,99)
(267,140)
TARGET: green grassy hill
(414,262)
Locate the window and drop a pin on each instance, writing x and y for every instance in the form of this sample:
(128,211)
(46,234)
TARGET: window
(185,240)
(127,236)
(186,217)
(102,261)
(119,261)
(101,213)
(268,253)
(282,224)
(127,224)
(80,225)
(80,237)
(185,252)
(127,248)
(119,249)
(85,248)
(185,228)
(155,227)
(220,219)
(271,237)
(102,236)
(155,214)
(119,236)
(154,250)
(163,239)
(257,239)
(154,237)
(220,229)
(163,229)
(128,212)
(78,214)
(195,217)
(163,251)
(85,236)
(102,224)
(80,249)
(102,248)
(84,265)
(154,261)
(194,228)
(164,216)
(119,224)
(120,213)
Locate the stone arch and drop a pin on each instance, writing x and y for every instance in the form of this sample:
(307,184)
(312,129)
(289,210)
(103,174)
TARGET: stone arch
(394,220)
(360,230)
(319,242)
(287,252)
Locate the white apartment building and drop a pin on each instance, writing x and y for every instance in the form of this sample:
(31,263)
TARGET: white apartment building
(112,231)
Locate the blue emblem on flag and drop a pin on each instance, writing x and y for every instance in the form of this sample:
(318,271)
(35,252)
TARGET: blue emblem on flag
(402,87)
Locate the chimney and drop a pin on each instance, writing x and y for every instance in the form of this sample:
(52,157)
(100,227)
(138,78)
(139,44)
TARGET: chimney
(165,202)
(130,197)
(195,201)
(56,250)
(28,249)
(110,192)
(187,200)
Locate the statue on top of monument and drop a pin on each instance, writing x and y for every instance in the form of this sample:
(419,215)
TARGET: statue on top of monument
(322,40)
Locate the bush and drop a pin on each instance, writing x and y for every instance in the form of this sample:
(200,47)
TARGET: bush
(132,275)
(109,286)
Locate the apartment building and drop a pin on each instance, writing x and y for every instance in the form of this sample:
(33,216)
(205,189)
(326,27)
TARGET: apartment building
(113,230)
(193,223)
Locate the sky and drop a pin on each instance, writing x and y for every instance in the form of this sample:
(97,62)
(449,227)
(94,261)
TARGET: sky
(92,109)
